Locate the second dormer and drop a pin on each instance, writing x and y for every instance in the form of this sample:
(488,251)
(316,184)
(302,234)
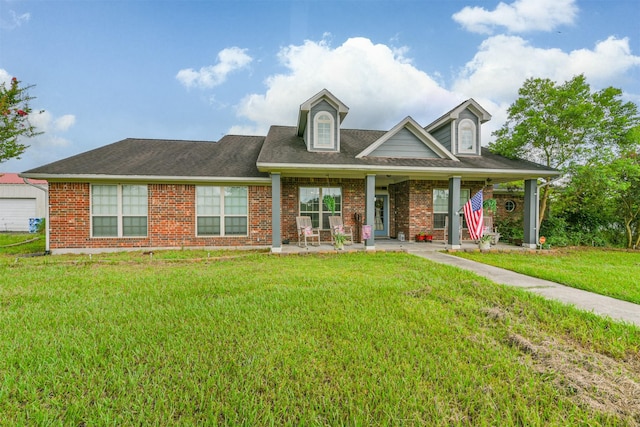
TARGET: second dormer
(459,129)
(319,122)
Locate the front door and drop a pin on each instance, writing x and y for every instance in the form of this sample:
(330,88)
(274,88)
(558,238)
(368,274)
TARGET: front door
(381,226)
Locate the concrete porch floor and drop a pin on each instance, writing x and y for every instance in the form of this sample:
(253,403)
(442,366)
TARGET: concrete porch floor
(393,245)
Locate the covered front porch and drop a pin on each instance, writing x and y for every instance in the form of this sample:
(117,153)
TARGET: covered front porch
(393,206)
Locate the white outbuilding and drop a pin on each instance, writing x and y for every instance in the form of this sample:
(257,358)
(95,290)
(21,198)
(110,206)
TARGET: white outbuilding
(20,202)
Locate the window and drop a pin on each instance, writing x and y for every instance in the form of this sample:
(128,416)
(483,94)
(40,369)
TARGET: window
(222,211)
(441,206)
(509,205)
(323,129)
(467,136)
(311,205)
(119,210)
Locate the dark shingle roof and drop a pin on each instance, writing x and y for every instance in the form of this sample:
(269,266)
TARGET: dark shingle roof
(283,146)
(232,156)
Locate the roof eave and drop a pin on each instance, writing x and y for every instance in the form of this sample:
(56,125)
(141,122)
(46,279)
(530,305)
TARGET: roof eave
(513,174)
(145,178)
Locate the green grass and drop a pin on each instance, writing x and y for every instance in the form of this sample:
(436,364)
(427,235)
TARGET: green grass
(614,273)
(257,339)
(21,243)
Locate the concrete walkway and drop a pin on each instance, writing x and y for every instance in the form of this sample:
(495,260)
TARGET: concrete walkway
(598,304)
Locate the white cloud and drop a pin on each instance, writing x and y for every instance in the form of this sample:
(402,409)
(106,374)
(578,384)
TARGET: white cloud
(503,63)
(229,60)
(378,83)
(5,77)
(11,19)
(51,127)
(63,123)
(44,122)
(519,16)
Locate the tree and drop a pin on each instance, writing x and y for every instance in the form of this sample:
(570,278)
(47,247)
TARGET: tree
(14,119)
(564,125)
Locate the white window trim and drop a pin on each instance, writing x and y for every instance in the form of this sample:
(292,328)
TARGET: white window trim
(321,212)
(332,130)
(222,214)
(447,212)
(474,136)
(119,214)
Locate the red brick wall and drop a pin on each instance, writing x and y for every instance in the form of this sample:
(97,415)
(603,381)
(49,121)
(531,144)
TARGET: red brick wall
(353,201)
(502,213)
(414,205)
(171,220)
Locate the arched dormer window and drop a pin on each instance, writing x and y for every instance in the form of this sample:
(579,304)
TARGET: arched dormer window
(323,130)
(467,141)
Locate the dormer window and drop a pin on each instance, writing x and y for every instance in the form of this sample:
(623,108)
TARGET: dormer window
(323,130)
(467,141)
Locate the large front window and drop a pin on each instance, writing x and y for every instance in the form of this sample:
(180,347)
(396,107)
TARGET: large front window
(312,204)
(119,210)
(441,206)
(222,211)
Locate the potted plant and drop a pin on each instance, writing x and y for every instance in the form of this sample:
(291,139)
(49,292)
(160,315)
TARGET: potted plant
(485,242)
(490,206)
(420,237)
(330,203)
(339,238)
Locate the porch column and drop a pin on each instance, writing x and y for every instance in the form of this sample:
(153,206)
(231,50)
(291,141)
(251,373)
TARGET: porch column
(530,213)
(454,216)
(370,210)
(276,238)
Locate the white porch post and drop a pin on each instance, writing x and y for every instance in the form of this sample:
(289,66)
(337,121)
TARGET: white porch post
(276,238)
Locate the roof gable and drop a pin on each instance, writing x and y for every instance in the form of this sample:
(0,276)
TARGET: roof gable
(407,140)
(453,114)
(306,106)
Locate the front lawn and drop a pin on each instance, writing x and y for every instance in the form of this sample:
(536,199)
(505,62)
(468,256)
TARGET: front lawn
(21,243)
(615,273)
(258,339)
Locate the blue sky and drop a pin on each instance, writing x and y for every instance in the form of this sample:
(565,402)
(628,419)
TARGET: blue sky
(108,70)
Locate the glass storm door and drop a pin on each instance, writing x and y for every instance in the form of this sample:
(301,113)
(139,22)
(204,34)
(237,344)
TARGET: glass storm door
(381,216)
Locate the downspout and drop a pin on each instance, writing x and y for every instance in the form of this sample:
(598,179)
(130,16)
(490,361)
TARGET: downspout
(46,215)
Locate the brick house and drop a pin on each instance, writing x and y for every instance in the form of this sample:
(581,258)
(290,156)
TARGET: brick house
(248,190)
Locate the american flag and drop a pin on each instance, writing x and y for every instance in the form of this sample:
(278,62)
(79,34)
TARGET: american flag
(473,215)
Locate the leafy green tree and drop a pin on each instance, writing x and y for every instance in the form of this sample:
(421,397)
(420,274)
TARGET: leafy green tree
(14,119)
(564,125)
(604,193)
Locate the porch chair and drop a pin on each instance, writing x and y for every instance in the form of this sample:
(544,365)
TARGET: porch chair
(490,230)
(306,230)
(335,223)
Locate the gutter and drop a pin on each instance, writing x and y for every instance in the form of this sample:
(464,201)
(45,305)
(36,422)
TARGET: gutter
(46,215)
(147,178)
(425,171)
